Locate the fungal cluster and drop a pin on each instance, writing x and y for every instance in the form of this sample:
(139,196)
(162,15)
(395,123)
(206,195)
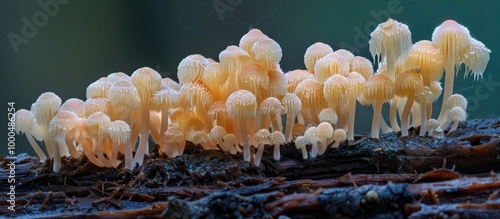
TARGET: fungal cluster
(245,102)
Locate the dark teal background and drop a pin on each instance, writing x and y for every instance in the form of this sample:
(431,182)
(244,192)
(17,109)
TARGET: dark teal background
(86,40)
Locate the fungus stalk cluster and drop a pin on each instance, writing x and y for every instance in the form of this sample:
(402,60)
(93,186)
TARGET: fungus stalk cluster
(245,101)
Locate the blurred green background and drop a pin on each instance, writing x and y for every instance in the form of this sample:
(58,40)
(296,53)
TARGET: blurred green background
(82,41)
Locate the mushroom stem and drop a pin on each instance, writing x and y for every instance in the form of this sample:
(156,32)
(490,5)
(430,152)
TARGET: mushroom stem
(406,114)
(306,115)
(385,128)
(99,153)
(202,112)
(304,152)
(114,155)
(336,144)
(454,126)
(164,123)
(265,121)
(290,120)
(48,141)
(448,90)
(322,147)
(180,147)
(274,121)
(258,155)
(300,119)
(392,113)
(71,148)
(128,156)
(35,146)
(143,147)
(423,119)
(87,149)
(276,151)
(415,115)
(245,140)
(352,113)
(314,149)
(57,156)
(377,114)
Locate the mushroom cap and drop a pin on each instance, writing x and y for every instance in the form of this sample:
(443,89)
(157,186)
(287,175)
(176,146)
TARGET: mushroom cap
(457,114)
(147,81)
(46,107)
(339,135)
(329,65)
(263,136)
(426,57)
(335,89)
(217,110)
(357,84)
(24,121)
(424,95)
(432,124)
(93,105)
(344,53)
(267,52)
(199,138)
(378,86)
(233,59)
(278,137)
(196,124)
(99,88)
(119,131)
(181,116)
(278,84)
(293,78)
(196,93)
(310,93)
(390,37)
(300,142)
(451,38)
(325,130)
(328,115)
(247,41)
(272,105)
(173,135)
(407,83)
(214,76)
(241,104)
(361,65)
(298,129)
(254,78)
(169,83)
(63,122)
(291,103)
(123,97)
(217,132)
(191,68)
(230,139)
(98,124)
(118,76)
(436,90)
(456,100)
(475,58)
(315,52)
(74,105)
(167,97)
(311,135)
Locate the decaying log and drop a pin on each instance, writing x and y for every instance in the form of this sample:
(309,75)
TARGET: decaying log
(392,176)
